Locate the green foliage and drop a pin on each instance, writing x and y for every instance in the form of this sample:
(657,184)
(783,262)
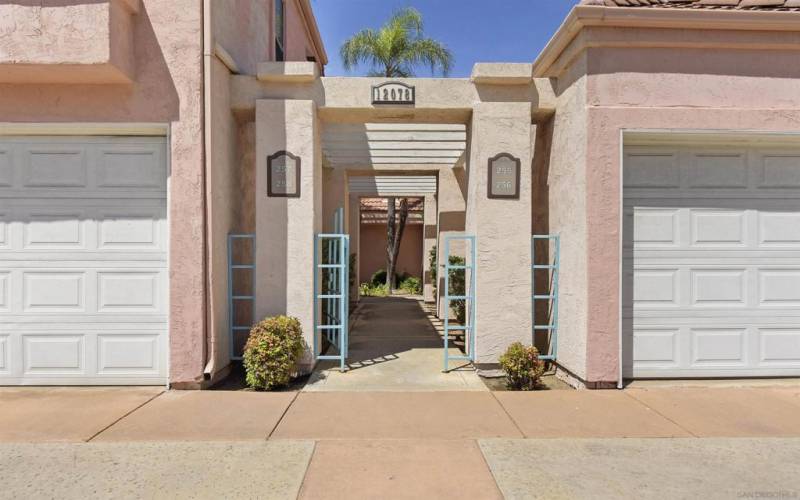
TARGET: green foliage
(379,278)
(272,351)
(371,290)
(457,278)
(522,366)
(396,48)
(412,285)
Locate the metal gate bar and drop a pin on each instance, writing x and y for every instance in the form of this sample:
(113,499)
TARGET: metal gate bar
(551,326)
(232,299)
(469,299)
(332,320)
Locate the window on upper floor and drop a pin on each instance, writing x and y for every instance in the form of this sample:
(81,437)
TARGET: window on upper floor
(280,30)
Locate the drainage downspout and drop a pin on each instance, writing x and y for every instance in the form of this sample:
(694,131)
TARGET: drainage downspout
(209,341)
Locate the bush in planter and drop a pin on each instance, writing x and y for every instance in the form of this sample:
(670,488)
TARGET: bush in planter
(272,351)
(379,278)
(522,366)
(412,285)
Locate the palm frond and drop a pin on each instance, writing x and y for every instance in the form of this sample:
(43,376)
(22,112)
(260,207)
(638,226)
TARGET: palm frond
(395,48)
(431,53)
(360,48)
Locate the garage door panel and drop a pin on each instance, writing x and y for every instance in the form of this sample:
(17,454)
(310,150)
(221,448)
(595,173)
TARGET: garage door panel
(129,354)
(53,354)
(715,227)
(83,262)
(55,167)
(718,287)
(718,347)
(779,346)
(779,170)
(711,271)
(779,229)
(718,170)
(6,170)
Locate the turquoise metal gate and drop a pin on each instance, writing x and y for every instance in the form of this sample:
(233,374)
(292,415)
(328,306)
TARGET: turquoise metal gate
(550,327)
(461,298)
(331,292)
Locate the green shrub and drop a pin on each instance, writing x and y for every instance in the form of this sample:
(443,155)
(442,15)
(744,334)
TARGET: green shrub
(272,351)
(412,285)
(379,278)
(522,366)
(370,290)
(352,276)
(432,265)
(458,287)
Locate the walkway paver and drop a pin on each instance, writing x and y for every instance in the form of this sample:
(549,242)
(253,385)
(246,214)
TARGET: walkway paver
(42,414)
(202,416)
(268,470)
(389,469)
(394,346)
(645,468)
(727,412)
(389,415)
(610,413)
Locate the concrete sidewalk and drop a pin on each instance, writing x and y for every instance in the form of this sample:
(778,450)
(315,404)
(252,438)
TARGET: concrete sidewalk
(150,414)
(645,442)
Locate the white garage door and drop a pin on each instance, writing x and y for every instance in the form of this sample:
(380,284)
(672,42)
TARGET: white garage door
(83,257)
(711,261)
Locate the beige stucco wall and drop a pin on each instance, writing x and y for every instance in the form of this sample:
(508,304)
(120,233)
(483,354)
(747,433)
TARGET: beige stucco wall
(566,184)
(430,235)
(502,229)
(451,206)
(167,89)
(286,227)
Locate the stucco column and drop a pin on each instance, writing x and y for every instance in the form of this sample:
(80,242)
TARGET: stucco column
(354,230)
(285,227)
(334,195)
(502,228)
(428,242)
(450,207)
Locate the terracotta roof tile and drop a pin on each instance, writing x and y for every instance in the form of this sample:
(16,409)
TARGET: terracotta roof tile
(774,5)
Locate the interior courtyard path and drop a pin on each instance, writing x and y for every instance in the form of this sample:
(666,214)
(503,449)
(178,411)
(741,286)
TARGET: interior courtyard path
(395,345)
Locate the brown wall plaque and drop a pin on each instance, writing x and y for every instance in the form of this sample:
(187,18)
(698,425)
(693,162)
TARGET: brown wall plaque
(504,171)
(283,175)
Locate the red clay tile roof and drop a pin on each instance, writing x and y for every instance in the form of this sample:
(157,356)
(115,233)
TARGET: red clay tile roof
(772,5)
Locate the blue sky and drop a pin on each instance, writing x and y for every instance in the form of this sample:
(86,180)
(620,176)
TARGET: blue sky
(474,30)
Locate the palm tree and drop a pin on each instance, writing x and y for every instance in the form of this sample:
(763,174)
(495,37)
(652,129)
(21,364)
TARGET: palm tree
(396,48)
(394,51)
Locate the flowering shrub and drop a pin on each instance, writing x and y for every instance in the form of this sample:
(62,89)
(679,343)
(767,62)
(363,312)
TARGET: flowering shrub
(272,351)
(522,366)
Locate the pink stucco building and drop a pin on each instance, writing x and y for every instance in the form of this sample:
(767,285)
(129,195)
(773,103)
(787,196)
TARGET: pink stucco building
(658,139)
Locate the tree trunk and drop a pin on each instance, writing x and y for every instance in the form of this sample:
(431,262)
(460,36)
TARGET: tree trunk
(390,233)
(394,235)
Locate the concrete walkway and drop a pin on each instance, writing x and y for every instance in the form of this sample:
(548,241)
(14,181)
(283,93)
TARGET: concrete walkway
(661,442)
(395,345)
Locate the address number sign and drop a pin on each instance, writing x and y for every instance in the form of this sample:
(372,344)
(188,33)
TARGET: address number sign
(504,171)
(393,93)
(283,175)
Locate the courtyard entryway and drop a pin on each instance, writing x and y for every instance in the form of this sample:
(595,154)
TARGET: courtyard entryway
(395,345)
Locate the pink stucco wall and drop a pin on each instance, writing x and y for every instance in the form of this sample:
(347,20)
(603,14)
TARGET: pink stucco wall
(372,246)
(669,88)
(167,89)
